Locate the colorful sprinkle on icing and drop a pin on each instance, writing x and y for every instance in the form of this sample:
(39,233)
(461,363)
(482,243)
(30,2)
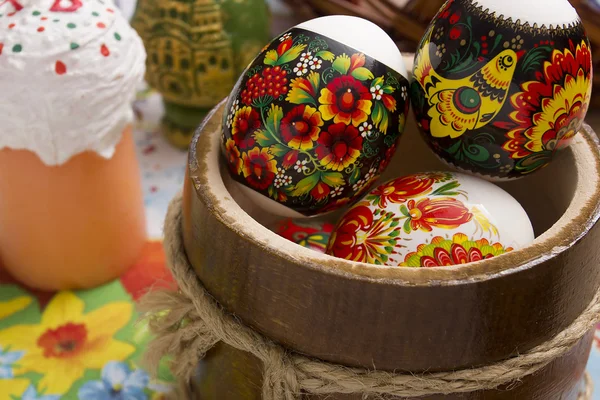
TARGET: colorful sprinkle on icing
(95,14)
(110,10)
(36,13)
(41,29)
(117,36)
(1,47)
(74,46)
(104,50)
(101,25)
(44,18)
(17,48)
(58,7)
(11,26)
(71,25)
(60,68)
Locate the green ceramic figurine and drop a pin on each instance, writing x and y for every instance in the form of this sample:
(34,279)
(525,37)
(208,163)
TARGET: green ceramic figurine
(196,51)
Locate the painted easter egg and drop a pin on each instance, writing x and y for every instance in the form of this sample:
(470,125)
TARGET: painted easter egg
(500,86)
(313,235)
(432,219)
(315,118)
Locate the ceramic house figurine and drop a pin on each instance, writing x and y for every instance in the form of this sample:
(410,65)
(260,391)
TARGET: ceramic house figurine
(501,86)
(196,50)
(71,207)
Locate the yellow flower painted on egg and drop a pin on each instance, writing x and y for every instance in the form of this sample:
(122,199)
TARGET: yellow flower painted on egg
(460,249)
(68,341)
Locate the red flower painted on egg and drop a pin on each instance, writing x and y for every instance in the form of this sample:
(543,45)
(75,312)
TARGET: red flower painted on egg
(442,212)
(339,147)
(345,100)
(300,127)
(245,123)
(259,168)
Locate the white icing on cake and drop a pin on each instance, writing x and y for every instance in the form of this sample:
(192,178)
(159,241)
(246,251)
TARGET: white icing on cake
(68,74)
(540,12)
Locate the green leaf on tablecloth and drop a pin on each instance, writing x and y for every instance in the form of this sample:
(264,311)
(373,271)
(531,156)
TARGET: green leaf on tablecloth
(17,306)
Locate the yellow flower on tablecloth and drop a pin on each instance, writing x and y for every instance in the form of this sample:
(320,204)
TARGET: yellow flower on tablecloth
(8,308)
(67,341)
(10,388)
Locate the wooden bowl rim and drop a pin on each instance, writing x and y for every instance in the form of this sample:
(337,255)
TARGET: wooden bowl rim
(571,227)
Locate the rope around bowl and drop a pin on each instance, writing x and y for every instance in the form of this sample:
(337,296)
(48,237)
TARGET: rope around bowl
(189,322)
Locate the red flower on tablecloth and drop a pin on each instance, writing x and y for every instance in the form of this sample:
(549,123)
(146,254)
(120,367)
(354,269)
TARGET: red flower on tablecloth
(259,168)
(362,236)
(400,190)
(300,127)
(442,212)
(149,271)
(339,147)
(550,110)
(345,100)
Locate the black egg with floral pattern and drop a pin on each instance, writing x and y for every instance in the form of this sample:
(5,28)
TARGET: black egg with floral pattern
(312,123)
(499,97)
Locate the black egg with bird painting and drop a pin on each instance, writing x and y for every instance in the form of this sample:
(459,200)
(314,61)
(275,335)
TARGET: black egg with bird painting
(500,86)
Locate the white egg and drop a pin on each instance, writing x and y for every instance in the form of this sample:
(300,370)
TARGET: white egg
(360,34)
(429,220)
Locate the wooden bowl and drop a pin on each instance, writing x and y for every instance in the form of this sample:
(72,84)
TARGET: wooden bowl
(399,318)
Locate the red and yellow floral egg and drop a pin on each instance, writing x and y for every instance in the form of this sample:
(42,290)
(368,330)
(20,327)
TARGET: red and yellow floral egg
(311,234)
(432,219)
(500,86)
(316,117)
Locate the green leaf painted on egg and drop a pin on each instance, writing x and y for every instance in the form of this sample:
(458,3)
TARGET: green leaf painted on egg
(264,138)
(355,176)
(274,119)
(362,74)
(271,57)
(291,54)
(306,185)
(333,179)
(279,150)
(326,55)
(342,64)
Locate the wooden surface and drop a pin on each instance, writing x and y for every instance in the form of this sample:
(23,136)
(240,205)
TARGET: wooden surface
(360,315)
(230,374)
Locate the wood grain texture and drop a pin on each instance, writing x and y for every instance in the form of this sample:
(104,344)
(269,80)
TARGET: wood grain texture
(230,374)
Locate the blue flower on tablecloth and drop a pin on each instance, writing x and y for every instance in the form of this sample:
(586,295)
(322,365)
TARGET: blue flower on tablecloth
(32,394)
(118,382)
(7,360)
